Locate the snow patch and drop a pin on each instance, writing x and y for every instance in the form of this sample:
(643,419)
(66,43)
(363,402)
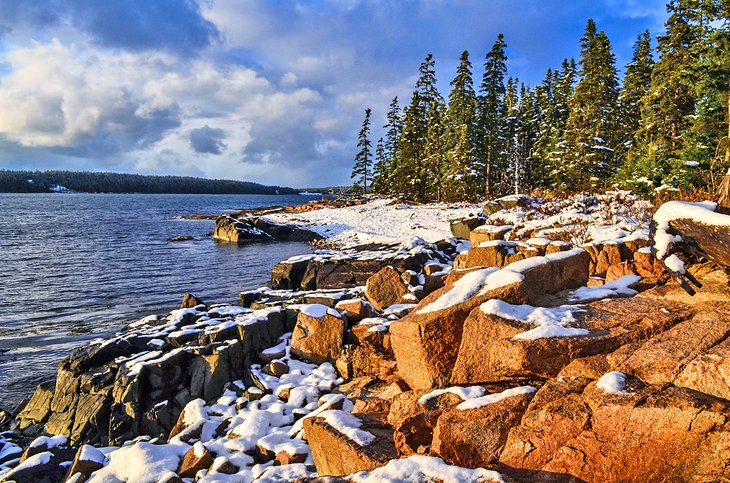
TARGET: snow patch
(493,398)
(613,383)
(549,322)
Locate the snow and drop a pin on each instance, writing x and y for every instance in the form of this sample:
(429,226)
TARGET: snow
(316,311)
(549,322)
(419,468)
(461,291)
(380,221)
(613,383)
(673,263)
(482,401)
(348,425)
(692,164)
(617,288)
(89,453)
(463,392)
(35,460)
(141,463)
(49,441)
(703,213)
(293,472)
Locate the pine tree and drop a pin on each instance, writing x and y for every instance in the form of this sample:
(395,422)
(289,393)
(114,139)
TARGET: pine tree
(590,131)
(706,143)
(408,163)
(363,159)
(380,169)
(460,130)
(492,111)
(407,175)
(435,159)
(667,106)
(393,129)
(635,85)
(554,96)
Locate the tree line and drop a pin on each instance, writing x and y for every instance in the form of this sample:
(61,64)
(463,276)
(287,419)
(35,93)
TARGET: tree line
(664,126)
(92,182)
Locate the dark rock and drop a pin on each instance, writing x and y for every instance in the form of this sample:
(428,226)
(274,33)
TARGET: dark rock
(190,301)
(180,238)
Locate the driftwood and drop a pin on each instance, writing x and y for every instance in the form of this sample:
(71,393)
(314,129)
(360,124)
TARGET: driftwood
(709,242)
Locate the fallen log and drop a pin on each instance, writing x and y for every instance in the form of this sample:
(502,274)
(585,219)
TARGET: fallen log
(700,229)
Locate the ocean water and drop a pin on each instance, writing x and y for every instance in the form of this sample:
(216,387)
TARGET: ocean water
(78,266)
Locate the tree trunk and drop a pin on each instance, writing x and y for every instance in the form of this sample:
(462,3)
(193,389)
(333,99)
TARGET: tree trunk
(723,195)
(711,242)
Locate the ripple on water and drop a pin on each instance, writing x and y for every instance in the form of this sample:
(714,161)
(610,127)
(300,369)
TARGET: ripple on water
(78,266)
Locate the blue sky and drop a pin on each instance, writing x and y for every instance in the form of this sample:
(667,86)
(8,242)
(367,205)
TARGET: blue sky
(267,91)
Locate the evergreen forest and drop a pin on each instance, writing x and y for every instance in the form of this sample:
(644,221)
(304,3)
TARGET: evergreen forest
(661,125)
(93,182)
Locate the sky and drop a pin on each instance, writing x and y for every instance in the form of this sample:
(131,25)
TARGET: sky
(266,91)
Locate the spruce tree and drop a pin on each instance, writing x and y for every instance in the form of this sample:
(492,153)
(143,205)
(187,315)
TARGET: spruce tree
(380,169)
(460,130)
(408,163)
(667,106)
(492,112)
(363,158)
(636,84)
(555,95)
(705,154)
(435,159)
(591,128)
(407,175)
(393,130)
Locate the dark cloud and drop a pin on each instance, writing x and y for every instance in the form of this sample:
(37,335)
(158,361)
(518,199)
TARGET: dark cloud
(172,25)
(207,140)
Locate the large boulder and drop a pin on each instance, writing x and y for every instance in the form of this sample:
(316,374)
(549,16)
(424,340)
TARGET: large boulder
(413,415)
(385,288)
(485,233)
(342,443)
(461,227)
(473,435)
(496,345)
(426,341)
(318,334)
(553,273)
(232,230)
(497,253)
(621,429)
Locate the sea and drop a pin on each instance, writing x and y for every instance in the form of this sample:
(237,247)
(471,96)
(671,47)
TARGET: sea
(74,267)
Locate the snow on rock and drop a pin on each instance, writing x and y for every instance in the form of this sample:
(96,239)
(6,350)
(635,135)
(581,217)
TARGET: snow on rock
(141,463)
(348,425)
(463,392)
(613,383)
(418,468)
(615,215)
(702,213)
(316,311)
(35,460)
(618,288)
(380,221)
(549,322)
(673,263)
(479,281)
(482,401)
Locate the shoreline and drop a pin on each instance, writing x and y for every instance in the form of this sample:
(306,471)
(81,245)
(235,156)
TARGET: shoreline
(393,277)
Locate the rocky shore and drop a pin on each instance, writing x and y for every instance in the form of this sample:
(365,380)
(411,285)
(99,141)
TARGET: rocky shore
(521,340)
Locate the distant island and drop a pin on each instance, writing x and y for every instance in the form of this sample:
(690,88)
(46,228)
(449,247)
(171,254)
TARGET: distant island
(94,182)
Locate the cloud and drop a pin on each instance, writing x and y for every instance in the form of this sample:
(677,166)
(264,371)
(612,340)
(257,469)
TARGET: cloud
(172,25)
(207,140)
(271,91)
